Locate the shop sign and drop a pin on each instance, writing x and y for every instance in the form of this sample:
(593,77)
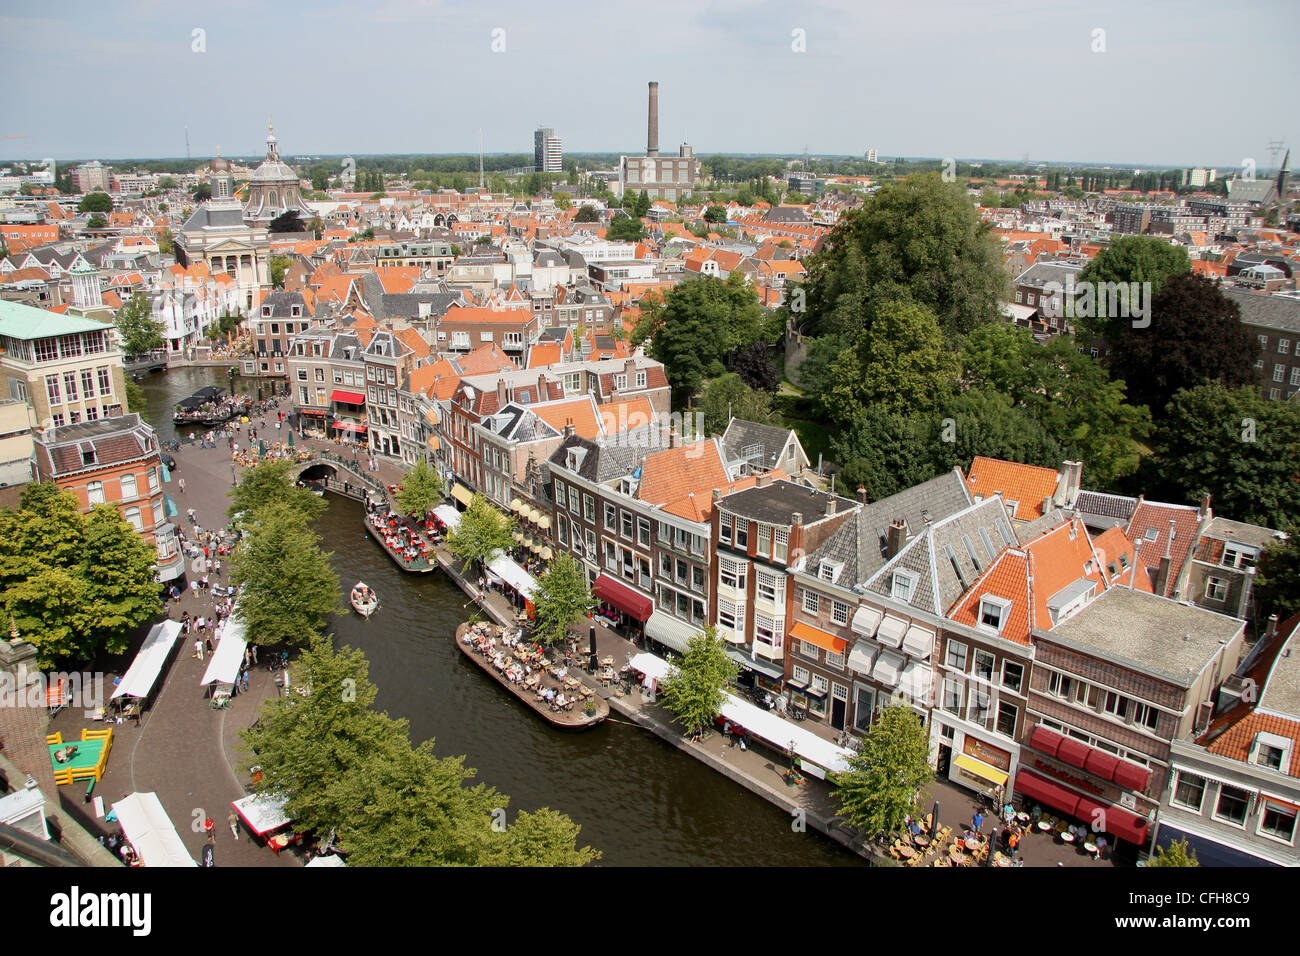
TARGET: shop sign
(987,753)
(1068,777)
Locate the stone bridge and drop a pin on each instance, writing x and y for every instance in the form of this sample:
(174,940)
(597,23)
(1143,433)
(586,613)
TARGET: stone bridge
(334,470)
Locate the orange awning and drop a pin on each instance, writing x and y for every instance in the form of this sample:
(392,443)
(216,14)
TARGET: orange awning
(813,635)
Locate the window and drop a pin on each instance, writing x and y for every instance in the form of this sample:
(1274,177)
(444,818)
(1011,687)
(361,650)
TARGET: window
(562,529)
(95,492)
(132,516)
(1232,805)
(1279,372)
(640,379)
(1216,589)
(902,585)
(591,542)
(811,601)
(573,499)
(766,630)
(1238,556)
(627,524)
(1283,346)
(956,655)
(1013,675)
(643,531)
(984,665)
(724,528)
(763,545)
(839,612)
(611,516)
(952,694)
(87,383)
(588,507)
(993,613)
(1189,793)
(1059,684)
(70,385)
(769,586)
(697,578)
(727,615)
(682,571)
(129,489)
(1007,714)
(864,706)
(781,542)
(742,535)
(731,574)
(1278,822)
(52,389)
(1269,756)
(979,704)
(829,571)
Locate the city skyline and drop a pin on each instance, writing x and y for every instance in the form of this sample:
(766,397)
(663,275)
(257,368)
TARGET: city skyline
(1014,78)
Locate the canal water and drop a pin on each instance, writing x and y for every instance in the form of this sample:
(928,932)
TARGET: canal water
(638,800)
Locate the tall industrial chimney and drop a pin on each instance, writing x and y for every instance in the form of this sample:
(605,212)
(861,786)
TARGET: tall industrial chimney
(652,126)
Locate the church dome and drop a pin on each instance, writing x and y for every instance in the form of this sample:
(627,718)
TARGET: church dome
(273,171)
(219,165)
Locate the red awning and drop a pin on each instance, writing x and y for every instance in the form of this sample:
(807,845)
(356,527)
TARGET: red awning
(1131,776)
(1047,741)
(622,597)
(1044,791)
(1101,763)
(351,398)
(1095,814)
(1126,825)
(349,427)
(1073,751)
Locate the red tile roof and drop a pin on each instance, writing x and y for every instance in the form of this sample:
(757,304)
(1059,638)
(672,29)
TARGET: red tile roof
(1027,485)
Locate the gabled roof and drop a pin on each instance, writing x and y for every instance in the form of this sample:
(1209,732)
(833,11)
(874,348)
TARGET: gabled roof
(1027,485)
(1149,528)
(759,444)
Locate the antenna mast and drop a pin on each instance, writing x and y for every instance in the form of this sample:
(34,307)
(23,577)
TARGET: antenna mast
(480,159)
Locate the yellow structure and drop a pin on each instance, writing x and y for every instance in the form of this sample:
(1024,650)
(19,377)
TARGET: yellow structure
(80,770)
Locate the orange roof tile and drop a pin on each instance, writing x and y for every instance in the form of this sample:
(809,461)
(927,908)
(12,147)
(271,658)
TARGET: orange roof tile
(630,413)
(578,412)
(1027,485)
(544,353)
(1235,743)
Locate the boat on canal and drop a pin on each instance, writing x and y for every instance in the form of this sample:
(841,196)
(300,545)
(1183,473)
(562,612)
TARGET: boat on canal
(363,599)
(210,406)
(542,685)
(410,547)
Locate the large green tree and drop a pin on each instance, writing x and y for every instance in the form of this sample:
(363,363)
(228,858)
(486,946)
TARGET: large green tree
(95,202)
(483,531)
(1240,447)
(884,452)
(136,326)
(272,482)
(1131,259)
(1195,334)
(562,599)
(886,778)
(422,489)
(692,692)
(625,229)
(1277,582)
(287,588)
(76,584)
(727,397)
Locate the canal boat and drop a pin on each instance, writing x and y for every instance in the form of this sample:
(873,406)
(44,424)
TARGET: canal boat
(364,600)
(486,645)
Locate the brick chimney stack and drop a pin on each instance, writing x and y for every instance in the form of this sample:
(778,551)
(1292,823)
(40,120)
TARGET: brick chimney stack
(862,494)
(652,123)
(895,538)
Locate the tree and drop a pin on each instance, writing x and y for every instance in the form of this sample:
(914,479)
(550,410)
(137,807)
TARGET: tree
(422,489)
(96,222)
(587,213)
(900,363)
(884,451)
(1131,259)
(95,202)
(316,226)
(563,200)
(755,367)
(1277,582)
(545,838)
(288,221)
(271,482)
(698,324)
(715,214)
(1195,334)
(75,584)
(139,331)
(135,398)
(279,265)
(692,692)
(167,182)
(885,779)
(1240,447)
(1176,854)
(728,396)
(985,423)
(482,532)
(202,192)
(642,205)
(287,588)
(562,598)
(625,229)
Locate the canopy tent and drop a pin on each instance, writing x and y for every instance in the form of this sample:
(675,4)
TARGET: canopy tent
(670,631)
(150,831)
(462,494)
(504,567)
(329,860)
(786,735)
(654,668)
(228,658)
(448,515)
(140,677)
(263,813)
(209,393)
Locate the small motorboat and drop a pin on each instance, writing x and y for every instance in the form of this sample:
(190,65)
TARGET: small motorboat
(364,600)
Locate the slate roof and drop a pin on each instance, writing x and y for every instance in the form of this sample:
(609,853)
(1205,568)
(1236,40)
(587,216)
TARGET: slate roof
(614,457)
(743,439)
(114,440)
(1118,509)
(1268,311)
(777,502)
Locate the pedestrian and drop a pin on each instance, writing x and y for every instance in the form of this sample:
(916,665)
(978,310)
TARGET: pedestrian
(254,653)
(208,643)
(233,820)
(978,820)
(217,568)
(245,681)
(181,484)
(198,648)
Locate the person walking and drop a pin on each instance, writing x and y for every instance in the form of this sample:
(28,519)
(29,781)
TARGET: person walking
(233,820)
(181,485)
(198,648)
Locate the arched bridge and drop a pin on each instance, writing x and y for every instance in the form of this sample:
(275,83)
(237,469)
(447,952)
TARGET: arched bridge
(334,471)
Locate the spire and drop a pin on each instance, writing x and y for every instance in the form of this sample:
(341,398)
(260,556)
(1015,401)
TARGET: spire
(271,151)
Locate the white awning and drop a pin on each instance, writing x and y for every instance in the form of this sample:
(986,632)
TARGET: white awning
(150,831)
(784,734)
(865,621)
(892,630)
(861,657)
(654,668)
(919,642)
(262,812)
(505,568)
(329,860)
(917,684)
(669,631)
(448,516)
(140,677)
(888,666)
(228,658)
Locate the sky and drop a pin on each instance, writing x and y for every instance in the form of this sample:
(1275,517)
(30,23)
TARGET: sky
(1154,82)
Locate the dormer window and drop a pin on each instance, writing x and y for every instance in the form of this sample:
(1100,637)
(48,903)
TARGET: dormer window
(903,585)
(266,311)
(830,570)
(1272,751)
(1013,505)
(994,613)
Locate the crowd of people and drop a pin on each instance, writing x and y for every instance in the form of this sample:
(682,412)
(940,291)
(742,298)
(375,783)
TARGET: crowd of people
(527,666)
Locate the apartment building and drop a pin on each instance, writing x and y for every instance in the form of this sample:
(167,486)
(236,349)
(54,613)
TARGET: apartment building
(279,317)
(327,373)
(1274,320)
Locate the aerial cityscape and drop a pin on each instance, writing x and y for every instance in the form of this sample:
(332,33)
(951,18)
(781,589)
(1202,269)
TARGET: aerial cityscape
(621,480)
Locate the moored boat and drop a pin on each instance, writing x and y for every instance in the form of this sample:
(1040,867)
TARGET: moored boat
(363,599)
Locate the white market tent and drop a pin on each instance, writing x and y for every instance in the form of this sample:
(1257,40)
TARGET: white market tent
(147,827)
(823,754)
(448,516)
(654,668)
(228,658)
(329,860)
(140,677)
(504,567)
(262,813)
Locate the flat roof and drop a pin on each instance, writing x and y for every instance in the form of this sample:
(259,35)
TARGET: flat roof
(26,322)
(1150,633)
(1282,689)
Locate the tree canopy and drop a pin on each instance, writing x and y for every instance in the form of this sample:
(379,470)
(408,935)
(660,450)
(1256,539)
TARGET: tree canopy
(1131,259)
(95,202)
(625,229)
(1277,583)
(1176,854)
(692,692)
(587,213)
(271,482)
(887,775)
(483,531)
(727,396)
(562,599)
(75,584)
(136,326)
(422,489)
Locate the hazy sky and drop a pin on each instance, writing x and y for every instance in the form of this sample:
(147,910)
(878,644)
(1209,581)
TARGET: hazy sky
(1191,82)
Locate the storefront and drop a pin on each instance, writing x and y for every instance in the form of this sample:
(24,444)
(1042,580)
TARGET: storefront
(757,672)
(622,606)
(669,632)
(977,764)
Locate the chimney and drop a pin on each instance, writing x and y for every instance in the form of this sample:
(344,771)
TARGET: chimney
(542,393)
(568,429)
(673,441)
(862,494)
(895,538)
(831,503)
(652,125)
(762,480)
(1205,505)
(629,370)
(796,519)
(717,494)
(501,391)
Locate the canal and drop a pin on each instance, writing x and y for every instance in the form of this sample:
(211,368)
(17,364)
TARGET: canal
(638,800)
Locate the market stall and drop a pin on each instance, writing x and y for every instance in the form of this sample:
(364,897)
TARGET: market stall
(150,831)
(135,686)
(264,816)
(227,660)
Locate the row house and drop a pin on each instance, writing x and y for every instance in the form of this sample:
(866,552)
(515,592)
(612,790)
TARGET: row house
(69,369)
(390,357)
(187,312)
(327,373)
(115,461)
(1111,689)
(1274,320)
(759,535)
(430,257)
(279,317)
(1234,792)
(464,329)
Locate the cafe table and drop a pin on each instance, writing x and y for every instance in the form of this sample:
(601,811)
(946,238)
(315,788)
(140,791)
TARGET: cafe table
(1091,848)
(1067,837)
(1044,826)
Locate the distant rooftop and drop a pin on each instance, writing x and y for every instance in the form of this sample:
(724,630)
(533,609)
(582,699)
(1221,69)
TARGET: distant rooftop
(27,322)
